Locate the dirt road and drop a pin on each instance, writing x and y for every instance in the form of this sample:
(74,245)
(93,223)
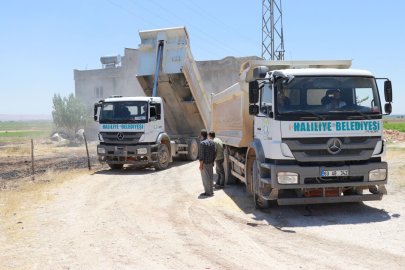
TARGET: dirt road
(146,219)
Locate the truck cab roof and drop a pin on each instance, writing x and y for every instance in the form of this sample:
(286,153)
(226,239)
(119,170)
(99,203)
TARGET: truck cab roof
(120,99)
(327,72)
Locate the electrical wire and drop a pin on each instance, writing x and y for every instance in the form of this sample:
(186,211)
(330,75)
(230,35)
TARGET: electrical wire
(156,25)
(196,27)
(221,24)
(175,25)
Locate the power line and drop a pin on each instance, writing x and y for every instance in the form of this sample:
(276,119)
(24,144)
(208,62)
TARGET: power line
(132,13)
(196,28)
(155,24)
(226,27)
(175,25)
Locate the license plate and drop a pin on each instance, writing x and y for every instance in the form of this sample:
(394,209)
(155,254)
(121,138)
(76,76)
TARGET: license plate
(335,173)
(120,153)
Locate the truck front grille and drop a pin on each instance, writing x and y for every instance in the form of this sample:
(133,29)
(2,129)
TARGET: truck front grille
(129,137)
(315,149)
(318,180)
(322,152)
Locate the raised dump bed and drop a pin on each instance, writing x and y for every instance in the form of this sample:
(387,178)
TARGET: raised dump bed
(186,105)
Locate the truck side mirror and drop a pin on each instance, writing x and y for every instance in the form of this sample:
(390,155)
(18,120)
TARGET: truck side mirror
(152,114)
(96,105)
(253,92)
(253,109)
(260,72)
(158,107)
(388,108)
(388,91)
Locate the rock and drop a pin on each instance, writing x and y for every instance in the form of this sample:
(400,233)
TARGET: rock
(63,135)
(79,135)
(56,137)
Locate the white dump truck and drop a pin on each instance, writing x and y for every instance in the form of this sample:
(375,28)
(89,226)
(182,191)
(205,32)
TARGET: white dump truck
(151,130)
(304,132)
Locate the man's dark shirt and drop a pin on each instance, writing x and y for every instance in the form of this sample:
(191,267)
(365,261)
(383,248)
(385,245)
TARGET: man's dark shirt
(207,151)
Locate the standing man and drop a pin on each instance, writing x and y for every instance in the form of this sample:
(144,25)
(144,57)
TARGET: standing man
(207,158)
(219,160)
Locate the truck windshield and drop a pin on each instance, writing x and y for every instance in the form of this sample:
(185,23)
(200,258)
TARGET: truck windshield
(336,97)
(123,112)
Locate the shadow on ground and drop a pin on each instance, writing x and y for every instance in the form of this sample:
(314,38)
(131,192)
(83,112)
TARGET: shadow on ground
(290,216)
(139,170)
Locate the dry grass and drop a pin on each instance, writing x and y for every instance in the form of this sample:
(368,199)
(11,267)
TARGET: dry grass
(24,192)
(395,158)
(19,197)
(15,151)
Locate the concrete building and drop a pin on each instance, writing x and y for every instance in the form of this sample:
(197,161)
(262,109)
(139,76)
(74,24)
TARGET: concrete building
(93,85)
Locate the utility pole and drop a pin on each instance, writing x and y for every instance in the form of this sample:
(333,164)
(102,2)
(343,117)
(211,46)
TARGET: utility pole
(272,30)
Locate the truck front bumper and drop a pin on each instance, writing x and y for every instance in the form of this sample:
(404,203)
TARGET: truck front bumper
(125,154)
(358,177)
(124,150)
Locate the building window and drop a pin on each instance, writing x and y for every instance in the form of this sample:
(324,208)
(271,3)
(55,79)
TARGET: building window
(98,92)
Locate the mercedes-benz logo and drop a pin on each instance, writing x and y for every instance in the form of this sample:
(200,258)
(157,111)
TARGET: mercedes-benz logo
(334,146)
(120,136)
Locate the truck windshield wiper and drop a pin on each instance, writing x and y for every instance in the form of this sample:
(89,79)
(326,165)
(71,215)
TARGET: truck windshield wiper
(356,111)
(109,120)
(311,112)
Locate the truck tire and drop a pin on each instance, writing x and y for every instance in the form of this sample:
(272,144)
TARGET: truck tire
(260,203)
(116,166)
(229,178)
(162,157)
(192,150)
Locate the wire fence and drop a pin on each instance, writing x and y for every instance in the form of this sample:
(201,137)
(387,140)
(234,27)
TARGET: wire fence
(24,157)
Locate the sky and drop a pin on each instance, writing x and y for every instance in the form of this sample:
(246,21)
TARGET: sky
(43,41)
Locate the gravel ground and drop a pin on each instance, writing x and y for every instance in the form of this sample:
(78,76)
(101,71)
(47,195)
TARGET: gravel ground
(147,219)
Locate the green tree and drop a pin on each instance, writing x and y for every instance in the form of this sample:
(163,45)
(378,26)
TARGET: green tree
(359,101)
(69,112)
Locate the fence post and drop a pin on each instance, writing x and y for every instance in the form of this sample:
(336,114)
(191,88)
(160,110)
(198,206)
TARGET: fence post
(87,150)
(32,160)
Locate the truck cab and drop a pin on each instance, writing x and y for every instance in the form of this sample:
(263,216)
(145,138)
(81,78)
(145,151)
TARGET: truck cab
(317,133)
(131,131)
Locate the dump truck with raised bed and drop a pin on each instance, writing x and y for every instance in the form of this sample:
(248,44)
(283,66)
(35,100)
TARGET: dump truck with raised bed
(151,130)
(304,132)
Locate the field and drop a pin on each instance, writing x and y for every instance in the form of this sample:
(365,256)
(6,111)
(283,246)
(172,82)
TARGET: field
(25,129)
(394,123)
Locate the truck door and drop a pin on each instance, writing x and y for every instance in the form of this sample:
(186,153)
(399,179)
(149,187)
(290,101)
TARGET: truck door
(262,120)
(156,117)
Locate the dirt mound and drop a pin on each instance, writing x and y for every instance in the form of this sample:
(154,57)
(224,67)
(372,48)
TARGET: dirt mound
(394,135)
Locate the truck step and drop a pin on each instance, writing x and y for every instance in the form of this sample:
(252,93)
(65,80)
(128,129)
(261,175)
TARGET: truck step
(266,165)
(266,180)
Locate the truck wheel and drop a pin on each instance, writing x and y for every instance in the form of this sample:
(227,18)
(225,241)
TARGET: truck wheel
(229,178)
(116,166)
(260,203)
(162,157)
(192,150)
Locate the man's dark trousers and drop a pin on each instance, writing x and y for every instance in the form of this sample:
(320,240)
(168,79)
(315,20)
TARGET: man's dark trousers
(220,172)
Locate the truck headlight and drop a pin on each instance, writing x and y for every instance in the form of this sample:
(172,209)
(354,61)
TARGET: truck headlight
(141,151)
(377,175)
(287,178)
(101,150)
